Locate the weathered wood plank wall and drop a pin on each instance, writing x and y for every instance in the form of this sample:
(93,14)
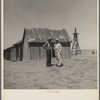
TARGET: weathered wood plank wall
(13,54)
(7,54)
(37,53)
(40,53)
(66,53)
(26,49)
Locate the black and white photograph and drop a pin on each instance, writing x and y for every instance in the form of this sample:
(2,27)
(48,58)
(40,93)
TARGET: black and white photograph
(50,44)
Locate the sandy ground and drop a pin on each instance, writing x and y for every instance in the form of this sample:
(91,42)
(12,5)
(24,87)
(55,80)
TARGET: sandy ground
(79,72)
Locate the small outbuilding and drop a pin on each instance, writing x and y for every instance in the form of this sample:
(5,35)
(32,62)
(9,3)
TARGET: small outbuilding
(7,53)
(31,45)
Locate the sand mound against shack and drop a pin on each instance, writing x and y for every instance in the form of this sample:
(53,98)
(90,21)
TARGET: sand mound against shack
(79,72)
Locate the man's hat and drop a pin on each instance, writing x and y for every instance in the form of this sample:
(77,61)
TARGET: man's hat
(49,38)
(57,39)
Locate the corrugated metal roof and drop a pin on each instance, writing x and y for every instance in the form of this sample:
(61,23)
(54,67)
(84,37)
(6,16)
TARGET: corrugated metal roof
(43,34)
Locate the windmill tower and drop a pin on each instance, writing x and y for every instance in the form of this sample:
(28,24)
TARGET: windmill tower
(75,45)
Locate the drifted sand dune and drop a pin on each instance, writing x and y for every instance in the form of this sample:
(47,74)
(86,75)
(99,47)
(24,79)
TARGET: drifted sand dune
(79,72)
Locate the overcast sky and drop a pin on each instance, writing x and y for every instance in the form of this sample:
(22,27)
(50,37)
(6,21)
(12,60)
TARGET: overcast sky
(54,14)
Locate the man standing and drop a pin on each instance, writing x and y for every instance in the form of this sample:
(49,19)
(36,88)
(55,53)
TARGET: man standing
(58,50)
(48,48)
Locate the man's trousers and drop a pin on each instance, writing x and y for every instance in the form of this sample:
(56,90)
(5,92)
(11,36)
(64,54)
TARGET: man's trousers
(58,57)
(48,62)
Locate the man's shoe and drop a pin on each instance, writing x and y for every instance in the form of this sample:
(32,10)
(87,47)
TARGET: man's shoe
(59,65)
(62,64)
(51,65)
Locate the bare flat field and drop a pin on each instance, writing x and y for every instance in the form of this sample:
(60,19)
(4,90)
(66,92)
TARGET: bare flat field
(79,72)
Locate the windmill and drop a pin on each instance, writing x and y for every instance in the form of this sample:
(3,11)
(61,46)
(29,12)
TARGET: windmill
(75,44)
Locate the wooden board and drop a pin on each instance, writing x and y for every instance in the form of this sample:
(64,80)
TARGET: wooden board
(31,53)
(13,54)
(43,53)
(69,50)
(62,53)
(37,55)
(18,54)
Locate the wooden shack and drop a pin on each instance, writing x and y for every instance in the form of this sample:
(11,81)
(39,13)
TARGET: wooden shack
(31,45)
(17,51)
